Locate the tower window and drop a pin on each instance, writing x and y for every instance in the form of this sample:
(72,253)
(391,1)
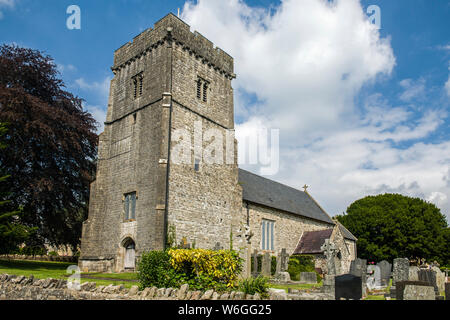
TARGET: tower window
(199,89)
(138,85)
(130,206)
(202,89)
(205,92)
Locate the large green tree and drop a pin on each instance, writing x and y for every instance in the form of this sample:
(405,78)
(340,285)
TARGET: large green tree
(12,232)
(389,226)
(51,145)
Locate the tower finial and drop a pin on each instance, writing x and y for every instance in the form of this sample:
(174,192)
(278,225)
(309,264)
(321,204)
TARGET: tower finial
(178,13)
(305,187)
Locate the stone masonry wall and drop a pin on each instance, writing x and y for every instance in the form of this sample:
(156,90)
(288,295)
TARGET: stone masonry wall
(288,227)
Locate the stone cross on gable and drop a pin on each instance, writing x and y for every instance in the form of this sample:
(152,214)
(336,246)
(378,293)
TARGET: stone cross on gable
(305,187)
(329,250)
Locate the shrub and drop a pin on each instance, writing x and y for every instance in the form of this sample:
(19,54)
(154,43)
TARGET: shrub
(210,269)
(254,285)
(154,269)
(301,263)
(53,254)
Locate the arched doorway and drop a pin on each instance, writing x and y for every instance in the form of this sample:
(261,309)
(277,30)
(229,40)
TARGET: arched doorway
(130,254)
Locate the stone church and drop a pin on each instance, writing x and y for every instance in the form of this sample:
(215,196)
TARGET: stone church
(170,78)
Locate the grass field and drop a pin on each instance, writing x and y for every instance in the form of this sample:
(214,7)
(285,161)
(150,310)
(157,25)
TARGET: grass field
(295,286)
(58,270)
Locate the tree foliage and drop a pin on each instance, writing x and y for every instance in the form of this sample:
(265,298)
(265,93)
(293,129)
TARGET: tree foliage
(51,145)
(12,232)
(389,226)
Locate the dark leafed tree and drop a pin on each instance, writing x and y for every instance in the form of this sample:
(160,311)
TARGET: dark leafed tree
(12,232)
(390,226)
(50,145)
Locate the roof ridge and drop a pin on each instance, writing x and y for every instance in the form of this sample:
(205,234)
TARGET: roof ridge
(284,185)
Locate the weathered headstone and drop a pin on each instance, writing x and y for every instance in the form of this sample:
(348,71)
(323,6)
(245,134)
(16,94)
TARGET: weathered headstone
(328,286)
(308,277)
(255,263)
(440,278)
(266,265)
(385,272)
(429,276)
(282,266)
(217,246)
(348,286)
(400,287)
(330,251)
(414,292)
(401,270)
(413,273)
(373,277)
(358,267)
(447,291)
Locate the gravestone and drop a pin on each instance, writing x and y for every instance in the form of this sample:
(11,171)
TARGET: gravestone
(429,276)
(440,278)
(417,292)
(373,277)
(255,263)
(266,265)
(308,277)
(348,286)
(447,291)
(413,273)
(330,251)
(282,266)
(358,267)
(385,272)
(282,261)
(400,287)
(401,270)
(328,286)
(217,246)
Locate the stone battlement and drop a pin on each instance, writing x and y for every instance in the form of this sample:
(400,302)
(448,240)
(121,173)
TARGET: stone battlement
(181,34)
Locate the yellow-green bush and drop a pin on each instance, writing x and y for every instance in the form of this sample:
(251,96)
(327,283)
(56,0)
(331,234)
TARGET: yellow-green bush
(203,268)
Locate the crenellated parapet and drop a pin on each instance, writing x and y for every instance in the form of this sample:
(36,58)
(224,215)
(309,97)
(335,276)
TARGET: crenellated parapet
(171,27)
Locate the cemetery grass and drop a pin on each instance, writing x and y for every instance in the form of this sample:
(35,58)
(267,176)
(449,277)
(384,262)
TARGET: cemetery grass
(57,270)
(297,286)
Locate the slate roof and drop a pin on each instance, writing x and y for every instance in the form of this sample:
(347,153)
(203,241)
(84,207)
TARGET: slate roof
(259,190)
(311,241)
(346,233)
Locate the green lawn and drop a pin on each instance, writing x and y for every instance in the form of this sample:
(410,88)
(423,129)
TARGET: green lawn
(295,286)
(57,270)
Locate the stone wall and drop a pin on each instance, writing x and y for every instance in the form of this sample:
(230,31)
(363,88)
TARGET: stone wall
(27,288)
(39,258)
(288,227)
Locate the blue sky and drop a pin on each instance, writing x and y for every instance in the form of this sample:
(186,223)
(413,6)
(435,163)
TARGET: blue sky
(385,129)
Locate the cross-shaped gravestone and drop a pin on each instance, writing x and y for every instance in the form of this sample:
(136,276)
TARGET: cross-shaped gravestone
(329,250)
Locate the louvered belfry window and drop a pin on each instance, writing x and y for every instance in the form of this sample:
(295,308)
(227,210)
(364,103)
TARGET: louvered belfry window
(138,85)
(202,89)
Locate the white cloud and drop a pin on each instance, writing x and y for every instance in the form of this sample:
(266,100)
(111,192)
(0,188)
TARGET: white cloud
(412,89)
(100,88)
(306,61)
(7,4)
(99,114)
(447,85)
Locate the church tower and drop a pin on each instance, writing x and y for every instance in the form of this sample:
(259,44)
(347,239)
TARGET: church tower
(171,89)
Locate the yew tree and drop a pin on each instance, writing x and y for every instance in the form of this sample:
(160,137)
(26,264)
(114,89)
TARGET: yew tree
(51,145)
(390,226)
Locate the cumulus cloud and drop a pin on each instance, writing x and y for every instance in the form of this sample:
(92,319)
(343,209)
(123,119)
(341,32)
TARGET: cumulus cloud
(101,87)
(299,68)
(6,4)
